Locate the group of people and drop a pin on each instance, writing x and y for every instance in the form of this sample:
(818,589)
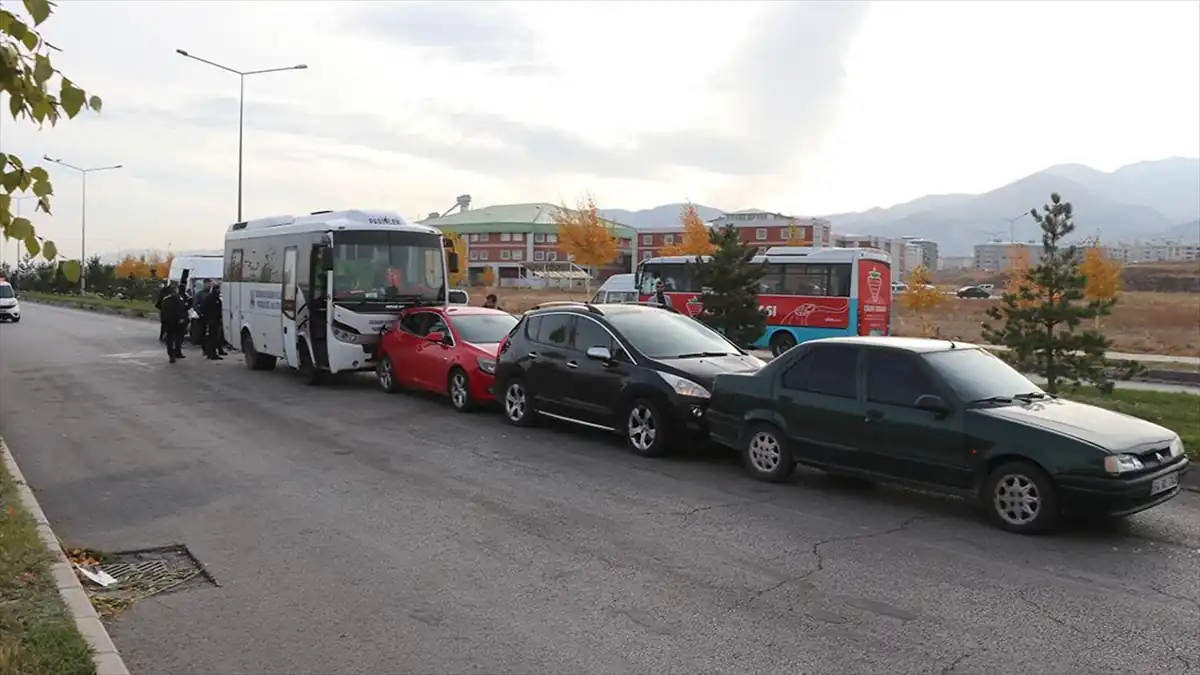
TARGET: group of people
(174,303)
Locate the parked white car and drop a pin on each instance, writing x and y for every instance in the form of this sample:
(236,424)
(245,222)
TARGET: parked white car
(10,307)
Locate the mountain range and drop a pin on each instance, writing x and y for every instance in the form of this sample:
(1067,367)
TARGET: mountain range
(1147,200)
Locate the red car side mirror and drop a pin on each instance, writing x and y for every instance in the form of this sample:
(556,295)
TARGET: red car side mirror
(436,336)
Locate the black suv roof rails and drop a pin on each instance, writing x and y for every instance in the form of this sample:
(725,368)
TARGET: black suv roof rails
(646,303)
(577,303)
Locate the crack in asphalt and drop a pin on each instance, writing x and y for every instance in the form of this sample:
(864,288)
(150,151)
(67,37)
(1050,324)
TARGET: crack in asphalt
(815,552)
(508,461)
(953,665)
(1045,612)
(1181,598)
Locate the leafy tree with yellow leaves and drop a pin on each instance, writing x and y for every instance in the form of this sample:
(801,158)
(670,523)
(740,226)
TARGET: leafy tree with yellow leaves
(921,298)
(696,239)
(1103,276)
(585,236)
(28,77)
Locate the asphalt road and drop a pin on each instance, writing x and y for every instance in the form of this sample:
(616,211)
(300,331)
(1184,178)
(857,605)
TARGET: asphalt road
(353,532)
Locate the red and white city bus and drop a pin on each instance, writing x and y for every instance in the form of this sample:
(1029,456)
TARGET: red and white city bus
(806,292)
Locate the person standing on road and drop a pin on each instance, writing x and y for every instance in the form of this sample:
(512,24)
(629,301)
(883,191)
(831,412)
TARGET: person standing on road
(211,316)
(492,302)
(158,304)
(174,319)
(201,297)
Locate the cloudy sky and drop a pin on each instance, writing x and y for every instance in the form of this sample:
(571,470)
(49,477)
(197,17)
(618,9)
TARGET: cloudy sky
(808,108)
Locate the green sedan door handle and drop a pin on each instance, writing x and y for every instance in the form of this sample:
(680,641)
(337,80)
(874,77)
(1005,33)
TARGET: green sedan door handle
(874,415)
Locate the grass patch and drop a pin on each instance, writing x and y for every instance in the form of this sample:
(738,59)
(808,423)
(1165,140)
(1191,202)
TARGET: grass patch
(37,635)
(1176,411)
(93,301)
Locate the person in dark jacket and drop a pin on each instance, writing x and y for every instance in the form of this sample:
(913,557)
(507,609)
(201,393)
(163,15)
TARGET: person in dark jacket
(162,293)
(213,335)
(174,320)
(199,305)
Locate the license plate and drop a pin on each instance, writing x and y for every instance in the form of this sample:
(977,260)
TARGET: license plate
(1164,483)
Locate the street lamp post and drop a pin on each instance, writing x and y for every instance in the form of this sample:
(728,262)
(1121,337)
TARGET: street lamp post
(241,107)
(1012,227)
(83,214)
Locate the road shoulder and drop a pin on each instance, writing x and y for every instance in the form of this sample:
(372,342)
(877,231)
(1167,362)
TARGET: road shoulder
(104,653)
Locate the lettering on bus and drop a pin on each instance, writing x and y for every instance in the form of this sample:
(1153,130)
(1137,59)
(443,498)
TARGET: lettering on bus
(384,220)
(269,300)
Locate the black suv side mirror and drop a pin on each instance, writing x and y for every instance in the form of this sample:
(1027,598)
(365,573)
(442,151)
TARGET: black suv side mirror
(599,353)
(934,404)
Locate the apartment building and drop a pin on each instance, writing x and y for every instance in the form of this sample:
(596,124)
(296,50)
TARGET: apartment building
(906,256)
(755,227)
(997,256)
(1167,251)
(501,240)
(929,252)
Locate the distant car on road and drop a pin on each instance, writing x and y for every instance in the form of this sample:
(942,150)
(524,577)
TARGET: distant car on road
(640,370)
(445,350)
(946,415)
(10,307)
(973,292)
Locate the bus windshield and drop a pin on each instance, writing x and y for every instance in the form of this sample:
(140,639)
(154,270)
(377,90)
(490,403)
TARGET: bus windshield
(388,267)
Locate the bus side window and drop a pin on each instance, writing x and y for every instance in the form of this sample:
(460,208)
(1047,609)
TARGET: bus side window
(839,282)
(678,279)
(772,279)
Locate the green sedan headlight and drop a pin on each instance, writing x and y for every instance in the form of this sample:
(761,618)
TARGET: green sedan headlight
(1119,464)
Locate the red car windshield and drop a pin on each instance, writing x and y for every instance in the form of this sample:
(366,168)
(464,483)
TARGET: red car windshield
(483,328)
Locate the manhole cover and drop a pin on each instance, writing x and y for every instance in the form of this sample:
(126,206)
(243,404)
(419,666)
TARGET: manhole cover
(143,573)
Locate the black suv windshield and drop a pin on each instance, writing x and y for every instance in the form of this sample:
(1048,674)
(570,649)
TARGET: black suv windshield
(660,334)
(483,328)
(977,374)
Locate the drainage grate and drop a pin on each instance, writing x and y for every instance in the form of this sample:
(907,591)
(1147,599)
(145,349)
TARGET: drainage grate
(146,572)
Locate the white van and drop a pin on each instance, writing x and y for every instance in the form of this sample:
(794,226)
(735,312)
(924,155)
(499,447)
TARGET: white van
(617,288)
(10,307)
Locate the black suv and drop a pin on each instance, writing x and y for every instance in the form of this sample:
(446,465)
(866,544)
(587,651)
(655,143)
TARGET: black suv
(641,370)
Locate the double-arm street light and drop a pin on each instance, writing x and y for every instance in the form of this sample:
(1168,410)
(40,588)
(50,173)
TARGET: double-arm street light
(1012,227)
(241,106)
(83,213)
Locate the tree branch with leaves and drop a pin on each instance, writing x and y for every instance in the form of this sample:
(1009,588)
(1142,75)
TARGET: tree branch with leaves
(921,298)
(696,240)
(29,77)
(585,236)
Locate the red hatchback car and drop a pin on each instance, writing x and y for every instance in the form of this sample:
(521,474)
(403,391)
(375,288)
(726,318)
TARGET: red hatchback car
(447,350)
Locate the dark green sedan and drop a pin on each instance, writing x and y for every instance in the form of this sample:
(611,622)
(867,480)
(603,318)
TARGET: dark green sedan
(947,415)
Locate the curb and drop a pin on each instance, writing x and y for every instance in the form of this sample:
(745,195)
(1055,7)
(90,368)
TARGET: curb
(104,652)
(115,311)
(1190,481)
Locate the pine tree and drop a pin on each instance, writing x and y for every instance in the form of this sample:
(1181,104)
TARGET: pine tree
(730,280)
(1042,313)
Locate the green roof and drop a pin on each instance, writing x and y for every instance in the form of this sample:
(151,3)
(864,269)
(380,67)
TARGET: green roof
(537,217)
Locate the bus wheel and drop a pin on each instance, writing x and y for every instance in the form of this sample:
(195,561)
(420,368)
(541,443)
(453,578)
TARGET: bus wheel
(782,341)
(254,360)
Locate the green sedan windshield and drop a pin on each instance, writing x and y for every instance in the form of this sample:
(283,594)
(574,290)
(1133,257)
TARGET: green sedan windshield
(976,374)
